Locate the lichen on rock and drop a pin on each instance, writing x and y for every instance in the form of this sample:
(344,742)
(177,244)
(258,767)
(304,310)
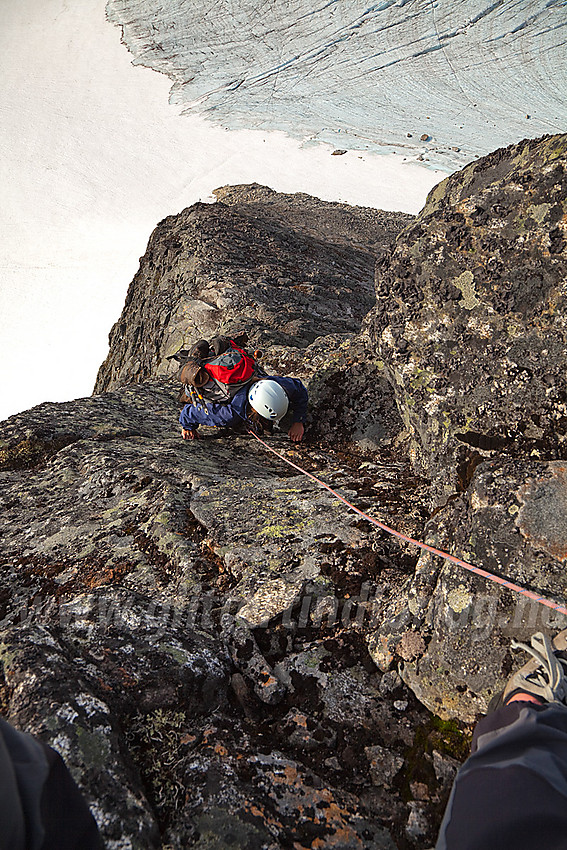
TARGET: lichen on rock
(471,325)
(215,644)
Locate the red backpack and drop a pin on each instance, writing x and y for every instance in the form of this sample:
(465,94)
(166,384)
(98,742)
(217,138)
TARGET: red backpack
(216,371)
(231,370)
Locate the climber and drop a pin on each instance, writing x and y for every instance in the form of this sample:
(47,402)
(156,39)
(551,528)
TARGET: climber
(512,790)
(40,804)
(258,405)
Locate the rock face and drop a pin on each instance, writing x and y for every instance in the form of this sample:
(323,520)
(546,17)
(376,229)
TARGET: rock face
(127,557)
(471,313)
(185,622)
(471,328)
(224,654)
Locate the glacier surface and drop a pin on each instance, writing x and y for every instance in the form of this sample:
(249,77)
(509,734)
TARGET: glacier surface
(468,74)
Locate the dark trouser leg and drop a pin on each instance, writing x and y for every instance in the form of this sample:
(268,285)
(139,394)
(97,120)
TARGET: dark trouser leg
(511,793)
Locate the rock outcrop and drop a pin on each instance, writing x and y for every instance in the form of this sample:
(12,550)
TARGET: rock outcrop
(224,655)
(185,622)
(471,329)
(128,554)
(471,314)
(288,269)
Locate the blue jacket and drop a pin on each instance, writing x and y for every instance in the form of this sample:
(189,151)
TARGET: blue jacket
(233,414)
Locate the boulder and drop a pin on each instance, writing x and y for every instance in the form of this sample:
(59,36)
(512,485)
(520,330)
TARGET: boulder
(471,316)
(471,328)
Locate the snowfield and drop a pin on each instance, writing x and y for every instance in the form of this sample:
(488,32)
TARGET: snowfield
(467,74)
(94,155)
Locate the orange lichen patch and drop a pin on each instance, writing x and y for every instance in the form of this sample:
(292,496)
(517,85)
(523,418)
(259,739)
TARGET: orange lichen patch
(104,685)
(126,678)
(343,836)
(254,810)
(187,739)
(382,653)
(293,792)
(220,750)
(84,574)
(264,816)
(99,576)
(542,519)
(210,730)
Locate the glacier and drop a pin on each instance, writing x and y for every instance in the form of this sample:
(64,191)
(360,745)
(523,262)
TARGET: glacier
(441,80)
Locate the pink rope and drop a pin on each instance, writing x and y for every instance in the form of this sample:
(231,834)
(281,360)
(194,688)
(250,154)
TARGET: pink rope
(460,563)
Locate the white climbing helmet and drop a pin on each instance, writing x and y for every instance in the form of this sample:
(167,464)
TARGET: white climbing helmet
(268,399)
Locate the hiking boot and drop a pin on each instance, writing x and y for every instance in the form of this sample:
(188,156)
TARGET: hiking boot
(544,677)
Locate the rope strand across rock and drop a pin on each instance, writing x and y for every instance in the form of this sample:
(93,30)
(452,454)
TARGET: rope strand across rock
(439,552)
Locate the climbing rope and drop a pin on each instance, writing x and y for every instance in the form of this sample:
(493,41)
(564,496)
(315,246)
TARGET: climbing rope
(470,567)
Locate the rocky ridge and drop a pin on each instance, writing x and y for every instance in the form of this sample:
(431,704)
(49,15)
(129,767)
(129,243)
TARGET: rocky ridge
(311,274)
(223,654)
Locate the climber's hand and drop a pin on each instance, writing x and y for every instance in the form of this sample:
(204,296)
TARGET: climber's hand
(296,432)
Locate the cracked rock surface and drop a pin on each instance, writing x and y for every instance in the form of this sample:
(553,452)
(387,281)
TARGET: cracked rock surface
(185,623)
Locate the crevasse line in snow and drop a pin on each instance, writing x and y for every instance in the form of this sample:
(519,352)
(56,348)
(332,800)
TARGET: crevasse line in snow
(471,75)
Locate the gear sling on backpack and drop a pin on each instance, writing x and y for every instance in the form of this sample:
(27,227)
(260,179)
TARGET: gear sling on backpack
(215,371)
